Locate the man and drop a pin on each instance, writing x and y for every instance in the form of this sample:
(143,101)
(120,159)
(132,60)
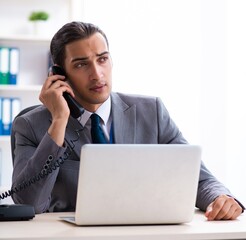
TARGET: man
(45,134)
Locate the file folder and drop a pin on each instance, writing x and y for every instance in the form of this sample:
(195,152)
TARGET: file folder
(15,108)
(4,65)
(14,65)
(6,115)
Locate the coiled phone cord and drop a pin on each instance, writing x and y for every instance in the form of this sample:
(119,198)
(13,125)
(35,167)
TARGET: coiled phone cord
(45,171)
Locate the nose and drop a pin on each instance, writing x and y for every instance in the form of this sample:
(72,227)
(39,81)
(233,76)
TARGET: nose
(96,72)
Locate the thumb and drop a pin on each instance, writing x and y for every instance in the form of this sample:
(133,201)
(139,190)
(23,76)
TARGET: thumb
(209,209)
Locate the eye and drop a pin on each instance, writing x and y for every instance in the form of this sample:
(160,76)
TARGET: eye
(80,64)
(103,59)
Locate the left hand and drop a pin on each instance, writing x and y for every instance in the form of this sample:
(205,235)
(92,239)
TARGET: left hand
(223,208)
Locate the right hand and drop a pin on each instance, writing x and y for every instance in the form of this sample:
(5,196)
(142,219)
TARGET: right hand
(223,208)
(51,96)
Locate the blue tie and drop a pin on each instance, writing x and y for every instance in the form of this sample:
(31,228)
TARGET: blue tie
(97,134)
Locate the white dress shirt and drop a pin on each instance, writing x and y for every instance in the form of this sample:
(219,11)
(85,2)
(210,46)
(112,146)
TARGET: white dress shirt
(106,120)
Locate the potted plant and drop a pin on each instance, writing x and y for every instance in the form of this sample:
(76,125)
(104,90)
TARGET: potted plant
(38,17)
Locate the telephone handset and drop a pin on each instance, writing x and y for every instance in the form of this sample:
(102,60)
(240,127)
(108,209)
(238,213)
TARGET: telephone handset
(75,109)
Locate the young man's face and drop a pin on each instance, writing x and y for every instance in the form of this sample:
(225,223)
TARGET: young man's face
(88,66)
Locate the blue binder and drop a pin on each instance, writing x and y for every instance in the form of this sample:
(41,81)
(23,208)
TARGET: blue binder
(6,116)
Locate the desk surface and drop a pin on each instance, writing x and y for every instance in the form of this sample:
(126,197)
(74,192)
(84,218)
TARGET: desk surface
(50,226)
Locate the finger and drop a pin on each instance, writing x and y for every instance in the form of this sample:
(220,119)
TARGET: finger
(209,209)
(55,92)
(229,215)
(63,87)
(215,207)
(68,90)
(225,211)
(58,84)
(53,96)
(60,89)
(51,79)
(234,211)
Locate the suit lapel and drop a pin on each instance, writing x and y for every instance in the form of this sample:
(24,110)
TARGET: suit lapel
(124,125)
(124,120)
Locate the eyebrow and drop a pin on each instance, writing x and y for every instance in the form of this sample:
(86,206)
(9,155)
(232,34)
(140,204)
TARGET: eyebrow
(86,58)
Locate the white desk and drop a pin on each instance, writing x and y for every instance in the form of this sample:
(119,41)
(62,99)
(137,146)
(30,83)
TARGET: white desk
(49,226)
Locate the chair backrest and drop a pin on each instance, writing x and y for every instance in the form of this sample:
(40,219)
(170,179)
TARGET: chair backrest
(12,136)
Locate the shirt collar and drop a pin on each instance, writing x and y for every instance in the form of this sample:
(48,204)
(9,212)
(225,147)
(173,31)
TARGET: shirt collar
(103,111)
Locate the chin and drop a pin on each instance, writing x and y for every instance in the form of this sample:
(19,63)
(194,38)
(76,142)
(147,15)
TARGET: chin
(102,99)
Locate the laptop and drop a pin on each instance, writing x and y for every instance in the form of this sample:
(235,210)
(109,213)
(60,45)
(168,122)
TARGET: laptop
(135,184)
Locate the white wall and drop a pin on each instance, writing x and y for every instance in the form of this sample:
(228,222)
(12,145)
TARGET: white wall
(236,97)
(213,85)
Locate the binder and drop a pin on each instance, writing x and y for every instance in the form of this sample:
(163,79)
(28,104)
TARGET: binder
(4,65)
(1,113)
(15,108)
(6,116)
(14,55)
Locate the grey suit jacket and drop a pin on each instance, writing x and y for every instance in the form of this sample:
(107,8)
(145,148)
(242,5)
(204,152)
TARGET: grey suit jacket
(136,119)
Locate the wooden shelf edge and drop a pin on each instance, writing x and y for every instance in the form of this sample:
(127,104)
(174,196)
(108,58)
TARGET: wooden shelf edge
(4,138)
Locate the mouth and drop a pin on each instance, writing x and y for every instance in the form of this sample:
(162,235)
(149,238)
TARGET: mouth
(98,87)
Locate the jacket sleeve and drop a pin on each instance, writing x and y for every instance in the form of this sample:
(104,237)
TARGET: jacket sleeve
(209,188)
(32,155)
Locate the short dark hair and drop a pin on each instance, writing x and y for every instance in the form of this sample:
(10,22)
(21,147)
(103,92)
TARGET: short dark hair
(71,32)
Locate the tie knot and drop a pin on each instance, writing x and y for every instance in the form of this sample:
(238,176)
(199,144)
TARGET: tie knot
(95,119)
